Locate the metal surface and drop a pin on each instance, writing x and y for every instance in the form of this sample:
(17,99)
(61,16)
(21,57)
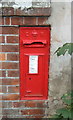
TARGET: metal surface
(34,62)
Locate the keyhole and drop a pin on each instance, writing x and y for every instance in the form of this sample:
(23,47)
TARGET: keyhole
(29,78)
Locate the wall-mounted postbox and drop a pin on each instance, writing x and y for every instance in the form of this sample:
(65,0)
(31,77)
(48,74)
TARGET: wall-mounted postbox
(34,62)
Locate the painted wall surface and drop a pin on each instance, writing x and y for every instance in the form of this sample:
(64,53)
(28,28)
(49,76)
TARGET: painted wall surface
(60,67)
(24,3)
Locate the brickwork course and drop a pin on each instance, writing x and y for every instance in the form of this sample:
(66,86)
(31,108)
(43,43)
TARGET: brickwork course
(12,107)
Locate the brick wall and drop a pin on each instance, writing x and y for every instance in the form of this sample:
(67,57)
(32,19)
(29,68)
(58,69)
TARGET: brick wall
(12,106)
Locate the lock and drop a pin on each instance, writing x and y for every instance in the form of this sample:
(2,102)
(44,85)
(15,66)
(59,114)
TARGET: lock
(29,78)
(34,62)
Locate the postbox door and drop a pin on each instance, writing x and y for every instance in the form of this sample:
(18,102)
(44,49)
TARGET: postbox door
(34,85)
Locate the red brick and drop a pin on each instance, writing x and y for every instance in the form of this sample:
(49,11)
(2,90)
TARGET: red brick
(13,89)
(32,112)
(2,57)
(16,104)
(3,89)
(10,112)
(9,65)
(9,30)
(19,104)
(17,20)
(30,20)
(30,104)
(15,82)
(4,104)
(12,39)
(2,39)
(30,12)
(2,73)
(10,105)
(7,20)
(10,81)
(42,20)
(19,12)
(7,11)
(9,48)
(1,21)
(0,97)
(41,104)
(34,12)
(0,104)
(13,73)
(10,97)
(7,104)
(0,81)
(0,89)
(13,57)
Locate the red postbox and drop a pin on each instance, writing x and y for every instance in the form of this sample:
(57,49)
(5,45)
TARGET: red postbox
(34,62)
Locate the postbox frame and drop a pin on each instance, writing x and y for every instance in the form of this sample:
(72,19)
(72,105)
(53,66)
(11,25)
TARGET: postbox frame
(46,82)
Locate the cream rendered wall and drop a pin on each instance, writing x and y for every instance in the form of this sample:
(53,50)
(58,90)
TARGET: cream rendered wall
(25,3)
(60,67)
